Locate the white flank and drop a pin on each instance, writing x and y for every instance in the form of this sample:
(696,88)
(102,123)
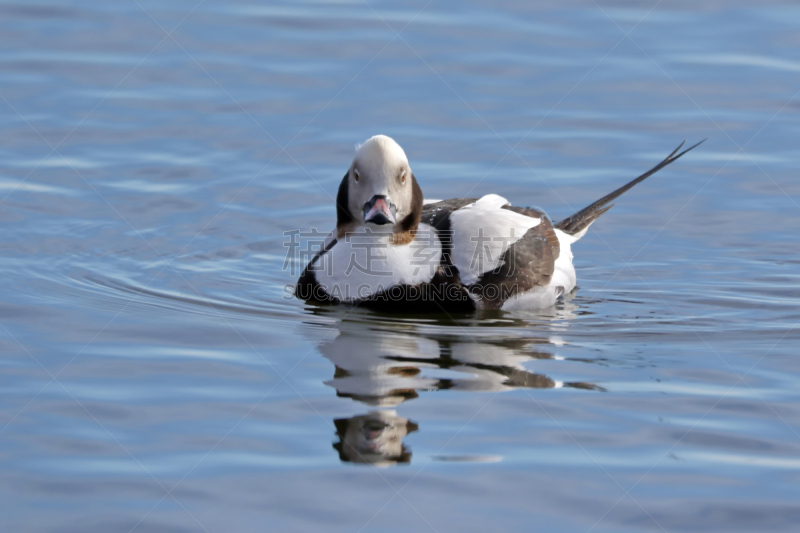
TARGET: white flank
(482,232)
(536,298)
(564,274)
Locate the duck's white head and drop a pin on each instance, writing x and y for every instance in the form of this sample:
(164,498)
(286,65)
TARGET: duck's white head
(379,189)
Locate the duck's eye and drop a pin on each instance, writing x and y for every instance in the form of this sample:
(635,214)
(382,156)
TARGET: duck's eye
(403,177)
(355,174)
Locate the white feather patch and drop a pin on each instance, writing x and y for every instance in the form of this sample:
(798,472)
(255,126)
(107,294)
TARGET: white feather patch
(364,263)
(564,273)
(481,233)
(536,298)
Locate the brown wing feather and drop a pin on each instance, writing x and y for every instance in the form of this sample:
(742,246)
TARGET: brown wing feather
(528,263)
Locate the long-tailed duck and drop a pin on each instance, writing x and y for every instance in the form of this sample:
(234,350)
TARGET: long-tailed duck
(394,251)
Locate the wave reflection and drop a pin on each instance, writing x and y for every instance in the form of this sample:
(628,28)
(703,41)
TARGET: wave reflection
(384,364)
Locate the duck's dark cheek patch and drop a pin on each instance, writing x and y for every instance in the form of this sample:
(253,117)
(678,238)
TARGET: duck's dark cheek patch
(343,215)
(410,222)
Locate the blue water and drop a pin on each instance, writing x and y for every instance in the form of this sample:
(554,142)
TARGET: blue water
(156,378)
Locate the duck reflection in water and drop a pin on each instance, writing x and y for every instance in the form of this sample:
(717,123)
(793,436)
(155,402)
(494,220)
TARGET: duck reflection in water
(382,365)
(374,438)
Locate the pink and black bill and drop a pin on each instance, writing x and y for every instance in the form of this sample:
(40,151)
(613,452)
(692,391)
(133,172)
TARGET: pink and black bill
(380,210)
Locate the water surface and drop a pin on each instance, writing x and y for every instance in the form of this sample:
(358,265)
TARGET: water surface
(155,377)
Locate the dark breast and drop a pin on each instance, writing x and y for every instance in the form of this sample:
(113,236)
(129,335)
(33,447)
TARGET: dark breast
(437,216)
(308,288)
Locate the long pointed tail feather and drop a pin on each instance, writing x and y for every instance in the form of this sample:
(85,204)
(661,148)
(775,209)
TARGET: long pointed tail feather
(577,224)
